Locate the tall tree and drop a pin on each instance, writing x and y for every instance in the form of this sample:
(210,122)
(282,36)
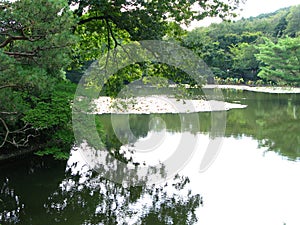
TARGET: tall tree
(245,64)
(35,40)
(280,61)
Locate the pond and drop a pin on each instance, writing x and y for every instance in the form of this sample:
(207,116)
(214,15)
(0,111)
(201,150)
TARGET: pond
(253,180)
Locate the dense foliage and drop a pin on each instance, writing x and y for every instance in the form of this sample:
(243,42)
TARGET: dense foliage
(251,49)
(35,44)
(281,62)
(107,25)
(40,40)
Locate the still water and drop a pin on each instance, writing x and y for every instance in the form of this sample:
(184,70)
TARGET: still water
(253,180)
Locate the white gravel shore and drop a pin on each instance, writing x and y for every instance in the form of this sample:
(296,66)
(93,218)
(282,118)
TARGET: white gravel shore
(284,90)
(164,104)
(159,104)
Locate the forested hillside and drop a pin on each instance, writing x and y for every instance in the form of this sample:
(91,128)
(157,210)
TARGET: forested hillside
(258,50)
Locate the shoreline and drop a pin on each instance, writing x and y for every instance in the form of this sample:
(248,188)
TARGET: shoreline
(271,90)
(164,104)
(159,104)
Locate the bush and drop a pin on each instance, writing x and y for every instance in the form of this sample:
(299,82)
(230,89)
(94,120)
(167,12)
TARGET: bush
(250,82)
(52,118)
(259,83)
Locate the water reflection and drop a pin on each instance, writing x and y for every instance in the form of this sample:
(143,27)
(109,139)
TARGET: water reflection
(12,208)
(246,184)
(272,119)
(81,196)
(95,200)
(25,187)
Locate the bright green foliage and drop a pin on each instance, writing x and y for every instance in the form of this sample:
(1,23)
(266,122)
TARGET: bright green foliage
(224,53)
(271,24)
(174,32)
(244,61)
(54,112)
(124,76)
(95,38)
(280,61)
(208,49)
(53,119)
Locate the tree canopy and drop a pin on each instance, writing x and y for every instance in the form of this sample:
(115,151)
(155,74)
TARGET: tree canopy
(147,19)
(35,43)
(280,61)
(104,25)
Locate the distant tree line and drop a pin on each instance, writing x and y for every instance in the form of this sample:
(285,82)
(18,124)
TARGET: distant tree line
(266,47)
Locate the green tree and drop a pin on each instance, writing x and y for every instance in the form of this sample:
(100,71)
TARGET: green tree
(35,41)
(245,64)
(209,50)
(104,25)
(280,61)
(293,25)
(229,48)
(148,19)
(281,26)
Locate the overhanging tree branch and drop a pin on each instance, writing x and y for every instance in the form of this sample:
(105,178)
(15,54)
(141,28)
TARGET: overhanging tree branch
(8,86)
(83,21)
(111,33)
(21,141)
(23,37)
(21,54)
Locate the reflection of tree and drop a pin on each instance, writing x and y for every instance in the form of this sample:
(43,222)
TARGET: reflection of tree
(139,125)
(25,186)
(272,119)
(174,210)
(98,201)
(85,198)
(281,132)
(10,206)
